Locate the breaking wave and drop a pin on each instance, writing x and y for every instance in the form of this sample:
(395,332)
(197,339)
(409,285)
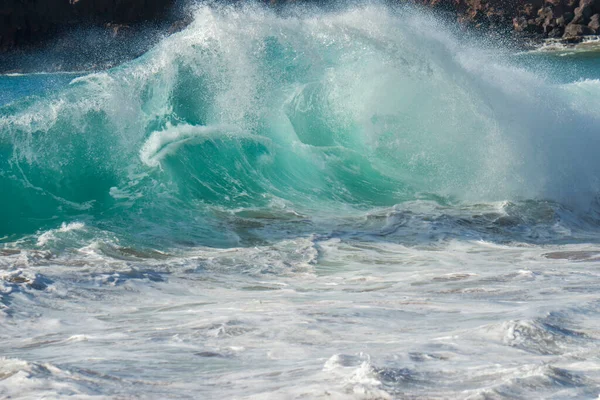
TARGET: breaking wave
(250,108)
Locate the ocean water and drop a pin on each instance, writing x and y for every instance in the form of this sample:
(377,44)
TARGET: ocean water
(360,203)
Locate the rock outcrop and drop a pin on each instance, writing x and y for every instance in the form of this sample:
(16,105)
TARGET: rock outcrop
(567,19)
(26,22)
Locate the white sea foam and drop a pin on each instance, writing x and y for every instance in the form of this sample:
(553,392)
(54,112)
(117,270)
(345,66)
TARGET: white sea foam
(49,235)
(446,295)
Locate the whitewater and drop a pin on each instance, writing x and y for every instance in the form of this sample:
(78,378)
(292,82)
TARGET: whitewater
(363,202)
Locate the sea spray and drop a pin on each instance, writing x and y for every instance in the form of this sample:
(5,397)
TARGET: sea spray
(364,106)
(353,203)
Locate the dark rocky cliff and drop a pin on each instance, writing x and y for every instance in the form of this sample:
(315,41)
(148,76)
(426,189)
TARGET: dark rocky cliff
(89,34)
(567,19)
(26,22)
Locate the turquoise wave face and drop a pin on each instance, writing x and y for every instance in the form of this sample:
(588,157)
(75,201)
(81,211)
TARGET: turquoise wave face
(321,113)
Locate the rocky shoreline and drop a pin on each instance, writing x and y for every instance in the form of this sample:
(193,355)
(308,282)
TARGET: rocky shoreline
(68,35)
(29,22)
(569,21)
(92,34)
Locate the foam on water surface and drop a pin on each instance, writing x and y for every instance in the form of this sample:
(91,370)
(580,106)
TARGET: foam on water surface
(302,204)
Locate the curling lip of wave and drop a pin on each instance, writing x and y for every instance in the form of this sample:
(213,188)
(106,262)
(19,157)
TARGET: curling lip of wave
(166,142)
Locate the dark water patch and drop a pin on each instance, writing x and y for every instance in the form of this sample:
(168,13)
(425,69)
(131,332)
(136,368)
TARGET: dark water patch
(19,280)
(573,255)
(228,329)
(122,277)
(399,376)
(260,288)
(543,336)
(425,357)
(209,354)
(9,252)
(129,253)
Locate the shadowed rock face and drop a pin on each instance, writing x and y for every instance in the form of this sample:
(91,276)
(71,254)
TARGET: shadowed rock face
(24,22)
(569,19)
(29,22)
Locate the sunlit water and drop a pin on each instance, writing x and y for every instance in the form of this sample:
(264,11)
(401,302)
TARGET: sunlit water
(303,204)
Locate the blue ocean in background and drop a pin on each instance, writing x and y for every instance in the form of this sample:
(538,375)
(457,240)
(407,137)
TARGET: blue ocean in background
(17,86)
(361,203)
